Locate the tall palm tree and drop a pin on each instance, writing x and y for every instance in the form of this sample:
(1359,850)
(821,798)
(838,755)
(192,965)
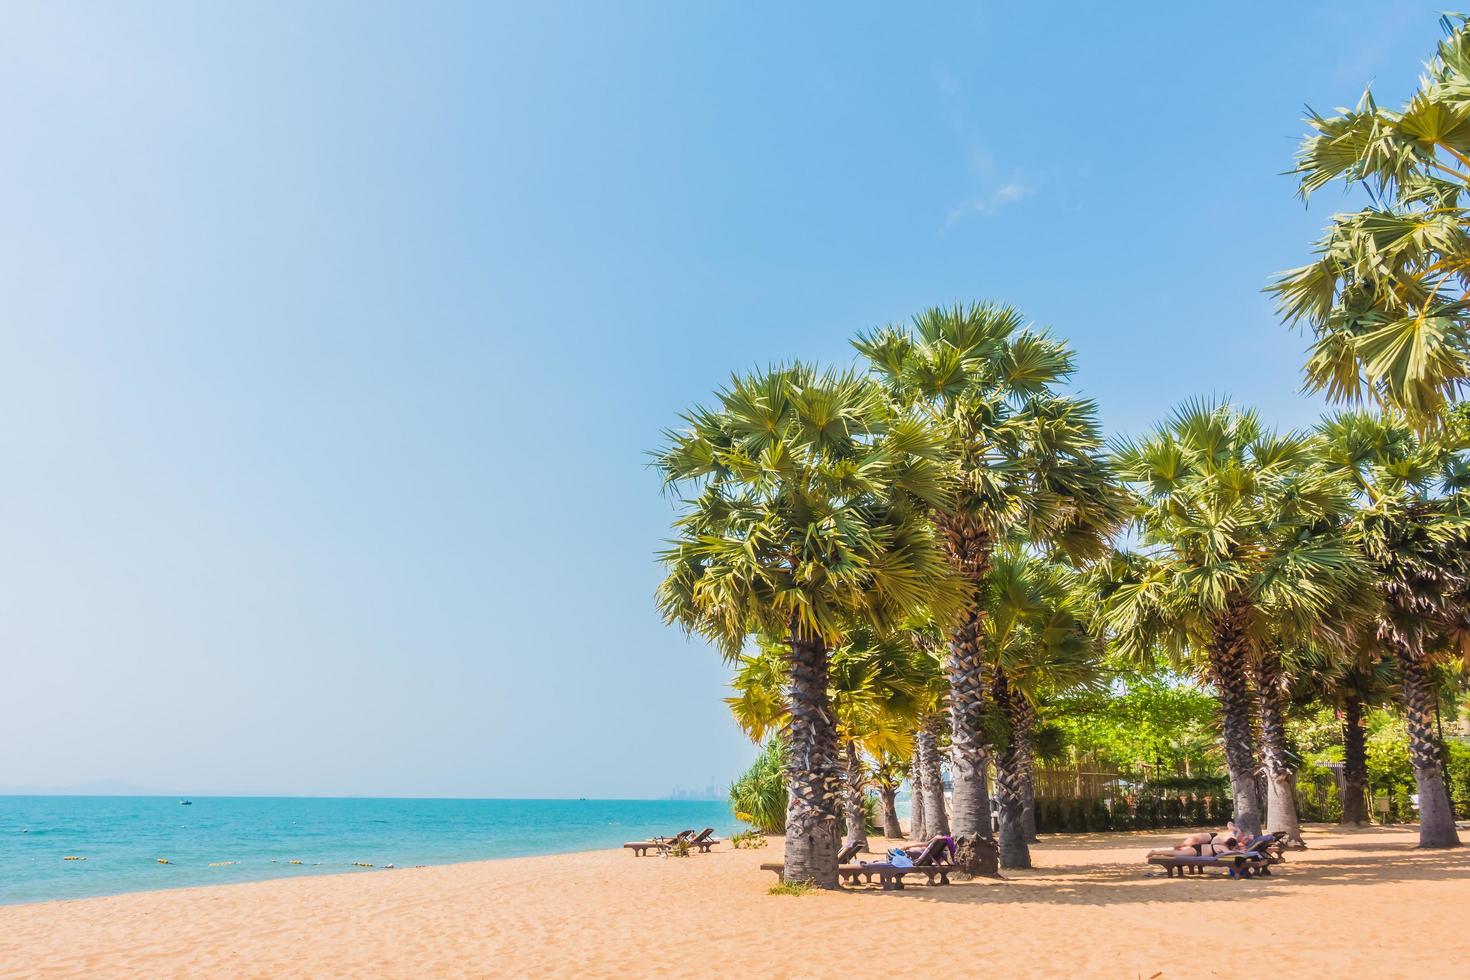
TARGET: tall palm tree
(931,815)
(1037,637)
(1026,459)
(1271,677)
(888,775)
(1348,680)
(1385,294)
(1241,542)
(874,692)
(808,517)
(1414,535)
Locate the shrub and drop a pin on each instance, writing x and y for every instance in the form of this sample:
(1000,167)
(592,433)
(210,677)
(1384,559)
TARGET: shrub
(1458,766)
(1402,806)
(759,796)
(793,888)
(748,839)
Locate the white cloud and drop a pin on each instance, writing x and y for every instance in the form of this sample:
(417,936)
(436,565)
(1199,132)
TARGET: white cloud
(1011,192)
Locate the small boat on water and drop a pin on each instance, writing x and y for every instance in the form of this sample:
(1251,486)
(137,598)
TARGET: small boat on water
(186,803)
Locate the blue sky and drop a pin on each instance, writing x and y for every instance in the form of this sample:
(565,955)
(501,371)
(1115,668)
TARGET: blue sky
(334,335)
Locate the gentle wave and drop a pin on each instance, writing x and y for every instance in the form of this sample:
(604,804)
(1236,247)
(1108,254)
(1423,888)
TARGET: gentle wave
(126,840)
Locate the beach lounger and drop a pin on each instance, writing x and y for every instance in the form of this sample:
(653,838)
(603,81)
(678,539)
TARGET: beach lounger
(642,847)
(1238,864)
(890,878)
(1256,859)
(1271,848)
(704,840)
(701,841)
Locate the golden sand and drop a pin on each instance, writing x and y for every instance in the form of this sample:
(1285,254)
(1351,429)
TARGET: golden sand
(1362,903)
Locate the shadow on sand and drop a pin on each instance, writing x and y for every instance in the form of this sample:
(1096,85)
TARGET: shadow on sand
(1366,856)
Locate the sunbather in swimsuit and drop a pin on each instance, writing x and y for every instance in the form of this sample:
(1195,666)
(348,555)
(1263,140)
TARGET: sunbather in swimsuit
(1204,845)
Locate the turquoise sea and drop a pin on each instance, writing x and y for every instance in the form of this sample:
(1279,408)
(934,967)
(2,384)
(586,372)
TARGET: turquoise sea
(226,839)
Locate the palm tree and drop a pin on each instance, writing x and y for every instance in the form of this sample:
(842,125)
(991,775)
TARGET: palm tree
(1349,681)
(930,815)
(888,774)
(918,819)
(874,692)
(1037,637)
(1026,459)
(809,518)
(1241,545)
(1385,295)
(1416,542)
(1271,681)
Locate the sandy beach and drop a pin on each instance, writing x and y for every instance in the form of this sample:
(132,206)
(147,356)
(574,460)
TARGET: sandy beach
(1363,902)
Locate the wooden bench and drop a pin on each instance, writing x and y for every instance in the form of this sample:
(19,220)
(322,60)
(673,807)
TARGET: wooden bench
(889,878)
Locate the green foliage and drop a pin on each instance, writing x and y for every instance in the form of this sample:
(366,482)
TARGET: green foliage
(759,796)
(1026,456)
(748,840)
(1384,295)
(1142,720)
(1318,799)
(793,888)
(1237,522)
(809,514)
(1458,767)
(679,849)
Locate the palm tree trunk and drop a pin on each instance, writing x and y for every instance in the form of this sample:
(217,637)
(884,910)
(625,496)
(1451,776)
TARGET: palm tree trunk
(811,766)
(1436,818)
(854,813)
(892,829)
(969,547)
(1013,850)
(1227,673)
(1355,763)
(918,826)
(1024,725)
(935,818)
(1280,783)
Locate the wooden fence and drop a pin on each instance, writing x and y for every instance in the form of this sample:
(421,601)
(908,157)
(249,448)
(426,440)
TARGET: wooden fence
(1074,799)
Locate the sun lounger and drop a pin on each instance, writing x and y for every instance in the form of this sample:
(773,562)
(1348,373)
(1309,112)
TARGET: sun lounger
(1239,864)
(701,841)
(890,878)
(642,847)
(1255,859)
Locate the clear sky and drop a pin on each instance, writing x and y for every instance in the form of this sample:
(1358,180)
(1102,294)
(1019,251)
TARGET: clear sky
(334,335)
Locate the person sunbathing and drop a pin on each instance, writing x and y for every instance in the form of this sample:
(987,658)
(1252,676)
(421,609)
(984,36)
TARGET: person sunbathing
(1206,845)
(943,855)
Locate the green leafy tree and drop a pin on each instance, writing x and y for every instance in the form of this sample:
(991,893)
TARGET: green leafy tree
(1386,294)
(1240,543)
(759,796)
(1414,536)
(808,515)
(1026,459)
(874,689)
(1037,636)
(1350,681)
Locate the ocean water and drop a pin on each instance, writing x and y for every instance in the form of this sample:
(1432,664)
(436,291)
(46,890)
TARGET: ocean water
(227,839)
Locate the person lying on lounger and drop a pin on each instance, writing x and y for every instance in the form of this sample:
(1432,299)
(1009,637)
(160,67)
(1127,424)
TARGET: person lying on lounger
(941,855)
(1206,845)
